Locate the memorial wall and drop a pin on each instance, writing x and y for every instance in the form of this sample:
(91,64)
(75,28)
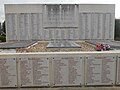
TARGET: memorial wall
(51,70)
(60,21)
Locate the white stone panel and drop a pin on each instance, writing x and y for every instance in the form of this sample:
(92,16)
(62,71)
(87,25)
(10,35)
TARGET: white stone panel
(23,8)
(18,27)
(107,26)
(112,24)
(71,33)
(64,20)
(95,25)
(68,36)
(40,27)
(51,34)
(34,24)
(92,26)
(46,34)
(80,31)
(33,71)
(100,26)
(58,33)
(85,26)
(75,34)
(67,71)
(25,72)
(60,72)
(54,33)
(62,34)
(29,16)
(67,33)
(8,73)
(27,28)
(14,21)
(88,26)
(100,70)
(101,8)
(9,31)
(82,26)
(104,26)
(22,26)
(76,15)
(60,16)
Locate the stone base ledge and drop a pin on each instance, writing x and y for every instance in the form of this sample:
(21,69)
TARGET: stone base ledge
(66,88)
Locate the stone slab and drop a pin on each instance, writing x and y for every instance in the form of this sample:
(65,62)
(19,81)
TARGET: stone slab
(62,44)
(100,70)
(8,73)
(33,71)
(113,44)
(68,71)
(16,44)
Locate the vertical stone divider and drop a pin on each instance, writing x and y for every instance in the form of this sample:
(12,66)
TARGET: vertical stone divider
(18,71)
(117,71)
(116,74)
(85,70)
(50,70)
(84,73)
(116,58)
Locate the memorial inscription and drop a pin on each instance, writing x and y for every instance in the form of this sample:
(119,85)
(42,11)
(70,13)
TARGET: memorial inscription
(67,71)
(34,71)
(8,74)
(100,70)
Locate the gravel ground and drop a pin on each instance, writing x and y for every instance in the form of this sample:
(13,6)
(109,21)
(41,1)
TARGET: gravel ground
(41,47)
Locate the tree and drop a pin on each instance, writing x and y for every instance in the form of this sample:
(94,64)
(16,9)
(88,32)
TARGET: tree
(0,28)
(117,29)
(3,29)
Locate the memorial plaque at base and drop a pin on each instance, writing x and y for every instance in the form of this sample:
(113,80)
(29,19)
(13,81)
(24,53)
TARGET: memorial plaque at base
(34,72)
(8,74)
(67,71)
(100,70)
(118,71)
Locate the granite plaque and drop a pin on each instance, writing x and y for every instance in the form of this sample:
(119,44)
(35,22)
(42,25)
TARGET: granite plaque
(34,72)
(8,74)
(67,71)
(100,70)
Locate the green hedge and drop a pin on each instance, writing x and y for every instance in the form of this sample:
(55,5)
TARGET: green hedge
(117,29)
(3,38)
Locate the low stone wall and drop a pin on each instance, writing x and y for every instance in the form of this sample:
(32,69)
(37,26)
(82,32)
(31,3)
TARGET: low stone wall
(60,70)
(67,88)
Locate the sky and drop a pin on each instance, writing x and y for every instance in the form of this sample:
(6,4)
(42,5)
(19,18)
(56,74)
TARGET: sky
(116,2)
